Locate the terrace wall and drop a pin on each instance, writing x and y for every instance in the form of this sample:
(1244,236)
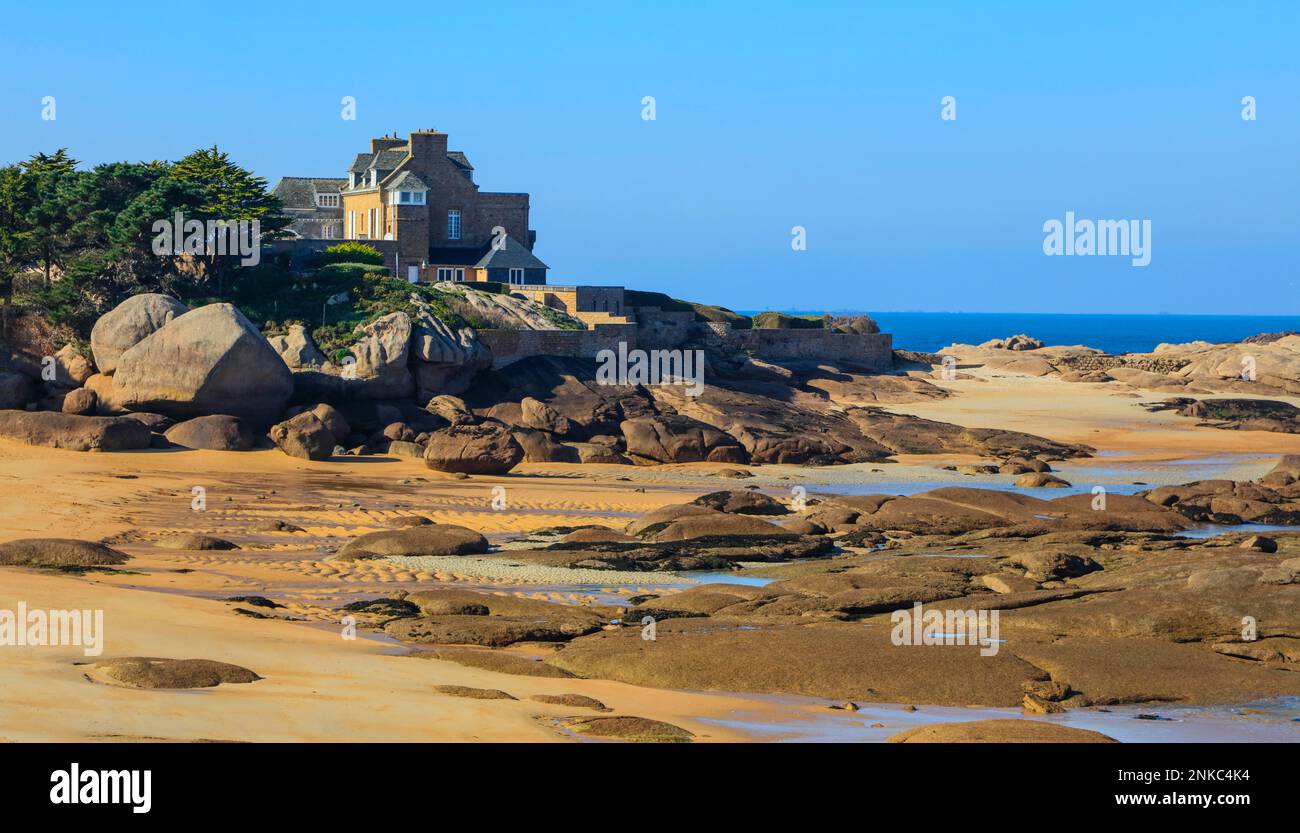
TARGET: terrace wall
(509,346)
(872,352)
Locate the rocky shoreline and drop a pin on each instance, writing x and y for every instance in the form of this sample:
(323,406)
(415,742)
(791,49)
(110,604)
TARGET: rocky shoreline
(380,511)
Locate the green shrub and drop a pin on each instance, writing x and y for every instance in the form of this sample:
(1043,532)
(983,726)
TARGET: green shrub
(781,321)
(707,312)
(561,320)
(637,298)
(352,252)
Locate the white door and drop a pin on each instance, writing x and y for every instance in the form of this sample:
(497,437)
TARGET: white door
(413,274)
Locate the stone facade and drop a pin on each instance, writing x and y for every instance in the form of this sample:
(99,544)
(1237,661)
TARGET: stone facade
(590,304)
(509,346)
(871,352)
(657,329)
(314,206)
(422,196)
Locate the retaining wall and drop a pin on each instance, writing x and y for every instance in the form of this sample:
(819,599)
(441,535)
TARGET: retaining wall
(509,346)
(873,352)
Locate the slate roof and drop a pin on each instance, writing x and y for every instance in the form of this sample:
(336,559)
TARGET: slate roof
(454,255)
(461,160)
(387,160)
(407,181)
(514,255)
(299,192)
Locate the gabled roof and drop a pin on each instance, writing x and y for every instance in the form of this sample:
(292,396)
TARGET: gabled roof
(387,160)
(406,181)
(362,162)
(301,191)
(514,255)
(460,160)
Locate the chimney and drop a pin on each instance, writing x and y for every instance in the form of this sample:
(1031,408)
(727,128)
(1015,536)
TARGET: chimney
(428,144)
(385,143)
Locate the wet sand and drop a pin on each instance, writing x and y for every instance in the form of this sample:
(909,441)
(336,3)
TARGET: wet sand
(320,686)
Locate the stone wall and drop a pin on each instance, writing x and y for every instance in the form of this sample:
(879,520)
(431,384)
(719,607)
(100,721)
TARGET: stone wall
(658,329)
(509,346)
(873,352)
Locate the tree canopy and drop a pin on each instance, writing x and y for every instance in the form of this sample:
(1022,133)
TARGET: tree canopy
(86,236)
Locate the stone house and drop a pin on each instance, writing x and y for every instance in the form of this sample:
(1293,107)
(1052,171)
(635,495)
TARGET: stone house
(422,197)
(314,206)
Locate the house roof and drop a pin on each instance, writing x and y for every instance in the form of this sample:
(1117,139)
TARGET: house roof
(387,160)
(514,255)
(454,255)
(301,191)
(407,181)
(361,163)
(460,160)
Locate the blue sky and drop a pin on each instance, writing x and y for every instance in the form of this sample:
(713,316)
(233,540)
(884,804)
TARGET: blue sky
(769,116)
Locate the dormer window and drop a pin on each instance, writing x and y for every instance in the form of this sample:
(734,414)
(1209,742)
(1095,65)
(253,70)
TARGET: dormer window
(352,179)
(400,197)
(374,177)
(327,200)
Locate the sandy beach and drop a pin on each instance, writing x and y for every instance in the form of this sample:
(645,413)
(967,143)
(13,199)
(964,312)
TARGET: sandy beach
(318,685)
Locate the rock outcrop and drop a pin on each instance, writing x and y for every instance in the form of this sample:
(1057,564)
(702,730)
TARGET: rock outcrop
(1015,342)
(444,360)
(381,359)
(153,672)
(213,433)
(16,390)
(208,361)
(680,439)
(424,539)
(76,433)
(58,552)
(305,436)
(129,323)
(297,349)
(81,402)
(998,731)
(486,448)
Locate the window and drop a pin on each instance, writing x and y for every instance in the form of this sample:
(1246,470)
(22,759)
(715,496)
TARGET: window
(447,273)
(352,225)
(326,230)
(410,197)
(517,276)
(453,225)
(327,200)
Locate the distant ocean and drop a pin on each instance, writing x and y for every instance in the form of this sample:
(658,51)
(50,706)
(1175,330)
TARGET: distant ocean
(930,331)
